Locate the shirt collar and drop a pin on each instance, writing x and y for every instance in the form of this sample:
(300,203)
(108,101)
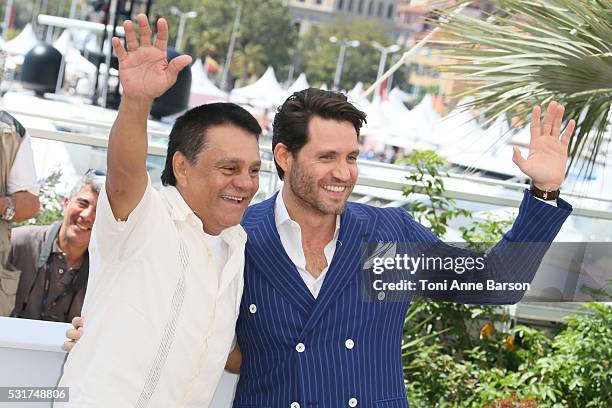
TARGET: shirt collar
(281,215)
(180,211)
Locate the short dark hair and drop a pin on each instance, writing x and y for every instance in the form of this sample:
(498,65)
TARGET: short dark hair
(188,135)
(290,125)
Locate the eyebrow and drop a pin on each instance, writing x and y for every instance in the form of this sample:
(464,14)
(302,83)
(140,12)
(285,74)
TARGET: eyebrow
(336,152)
(234,160)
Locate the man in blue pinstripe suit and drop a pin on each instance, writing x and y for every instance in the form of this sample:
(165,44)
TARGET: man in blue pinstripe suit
(307,338)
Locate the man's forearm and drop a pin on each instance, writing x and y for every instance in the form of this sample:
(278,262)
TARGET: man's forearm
(26,205)
(127,155)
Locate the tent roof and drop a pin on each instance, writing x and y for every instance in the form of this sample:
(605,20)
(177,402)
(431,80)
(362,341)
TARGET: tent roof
(201,85)
(265,92)
(75,62)
(300,83)
(23,43)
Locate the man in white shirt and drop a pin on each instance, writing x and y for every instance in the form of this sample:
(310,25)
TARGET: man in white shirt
(165,267)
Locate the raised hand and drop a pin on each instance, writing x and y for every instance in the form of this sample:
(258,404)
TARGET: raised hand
(547,158)
(144,71)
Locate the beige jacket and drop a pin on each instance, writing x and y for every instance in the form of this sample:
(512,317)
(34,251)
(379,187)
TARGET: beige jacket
(11,135)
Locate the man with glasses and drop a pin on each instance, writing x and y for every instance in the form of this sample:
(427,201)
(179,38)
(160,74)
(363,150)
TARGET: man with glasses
(54,259)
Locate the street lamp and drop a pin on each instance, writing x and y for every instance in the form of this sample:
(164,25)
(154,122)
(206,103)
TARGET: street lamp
(183,17)
(343,44)
(383,58)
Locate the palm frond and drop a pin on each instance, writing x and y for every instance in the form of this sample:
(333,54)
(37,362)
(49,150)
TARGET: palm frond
(532,52)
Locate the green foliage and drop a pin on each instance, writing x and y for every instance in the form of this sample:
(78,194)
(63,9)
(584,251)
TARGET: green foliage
(266,35)
(51,202)
(427,169)
(319,56)
(470,357)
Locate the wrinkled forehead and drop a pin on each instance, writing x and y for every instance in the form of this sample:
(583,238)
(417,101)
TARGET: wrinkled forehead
(228,142)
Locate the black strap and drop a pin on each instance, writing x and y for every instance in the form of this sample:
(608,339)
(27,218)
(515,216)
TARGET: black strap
(48,245)
(41,263)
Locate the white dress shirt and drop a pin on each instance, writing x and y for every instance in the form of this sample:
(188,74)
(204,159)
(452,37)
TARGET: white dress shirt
(291,237)
(159,315)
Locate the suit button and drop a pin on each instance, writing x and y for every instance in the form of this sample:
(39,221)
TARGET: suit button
(352,402)
(381,295)
(295,405)
(300,347)
(253,308)
(349,343)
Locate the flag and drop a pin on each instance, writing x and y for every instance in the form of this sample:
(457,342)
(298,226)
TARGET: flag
(210,65)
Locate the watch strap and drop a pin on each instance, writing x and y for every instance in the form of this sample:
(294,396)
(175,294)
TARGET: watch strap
(543,194)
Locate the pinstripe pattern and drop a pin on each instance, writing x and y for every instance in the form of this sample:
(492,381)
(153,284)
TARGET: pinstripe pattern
(327,373)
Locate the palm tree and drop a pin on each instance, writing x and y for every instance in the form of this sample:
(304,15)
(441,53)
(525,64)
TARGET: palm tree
(528,52)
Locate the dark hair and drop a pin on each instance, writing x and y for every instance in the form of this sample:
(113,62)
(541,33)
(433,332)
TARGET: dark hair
(188,135)
(290,125)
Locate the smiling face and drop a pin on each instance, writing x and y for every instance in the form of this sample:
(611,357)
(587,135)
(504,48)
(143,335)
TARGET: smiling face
(79,216)
(219,186)
(323,173)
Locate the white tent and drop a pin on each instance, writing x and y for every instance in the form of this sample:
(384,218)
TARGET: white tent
(398,94)
(355,93)
(300,84)
(76,64)
(415,127)
(266,92)
(23,43)
(202,89)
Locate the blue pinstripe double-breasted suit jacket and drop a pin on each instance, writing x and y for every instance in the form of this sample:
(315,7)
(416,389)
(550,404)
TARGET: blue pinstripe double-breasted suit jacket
(337,350)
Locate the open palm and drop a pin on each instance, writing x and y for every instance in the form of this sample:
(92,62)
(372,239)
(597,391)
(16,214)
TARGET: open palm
(144,71)
(547,158)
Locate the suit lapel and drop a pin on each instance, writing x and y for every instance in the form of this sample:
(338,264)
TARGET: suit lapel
(345,264)
(265,250)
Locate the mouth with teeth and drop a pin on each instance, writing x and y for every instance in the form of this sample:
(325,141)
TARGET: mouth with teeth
(232,199)
(335,191)
(81,226)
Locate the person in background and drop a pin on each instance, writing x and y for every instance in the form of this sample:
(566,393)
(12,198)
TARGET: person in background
(54,259)
(18,196)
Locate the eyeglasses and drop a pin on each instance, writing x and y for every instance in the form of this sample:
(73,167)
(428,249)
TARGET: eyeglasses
(94,172)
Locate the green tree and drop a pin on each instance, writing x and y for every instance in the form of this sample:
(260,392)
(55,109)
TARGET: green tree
(318,56)
(266,34)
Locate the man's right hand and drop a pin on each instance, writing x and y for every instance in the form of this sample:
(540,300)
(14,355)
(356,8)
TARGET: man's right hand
(144,71)
(75,333)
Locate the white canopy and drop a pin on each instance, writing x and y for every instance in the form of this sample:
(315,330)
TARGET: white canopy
(23,43)
(202,88)
(266,92)
(398,94)
(76,64)
(300,84)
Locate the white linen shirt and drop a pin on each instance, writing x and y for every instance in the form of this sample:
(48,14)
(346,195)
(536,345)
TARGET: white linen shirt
(159,319)
(291,237)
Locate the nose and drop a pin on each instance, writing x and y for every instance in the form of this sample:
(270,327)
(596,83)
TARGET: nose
(89,214)
(342,171)
(245,182)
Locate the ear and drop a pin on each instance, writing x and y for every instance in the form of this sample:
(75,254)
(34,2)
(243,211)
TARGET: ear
(283,157)
(65,204)
(180,167)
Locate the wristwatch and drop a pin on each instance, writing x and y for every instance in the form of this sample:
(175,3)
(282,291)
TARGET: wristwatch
(9,213)
(543,194)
